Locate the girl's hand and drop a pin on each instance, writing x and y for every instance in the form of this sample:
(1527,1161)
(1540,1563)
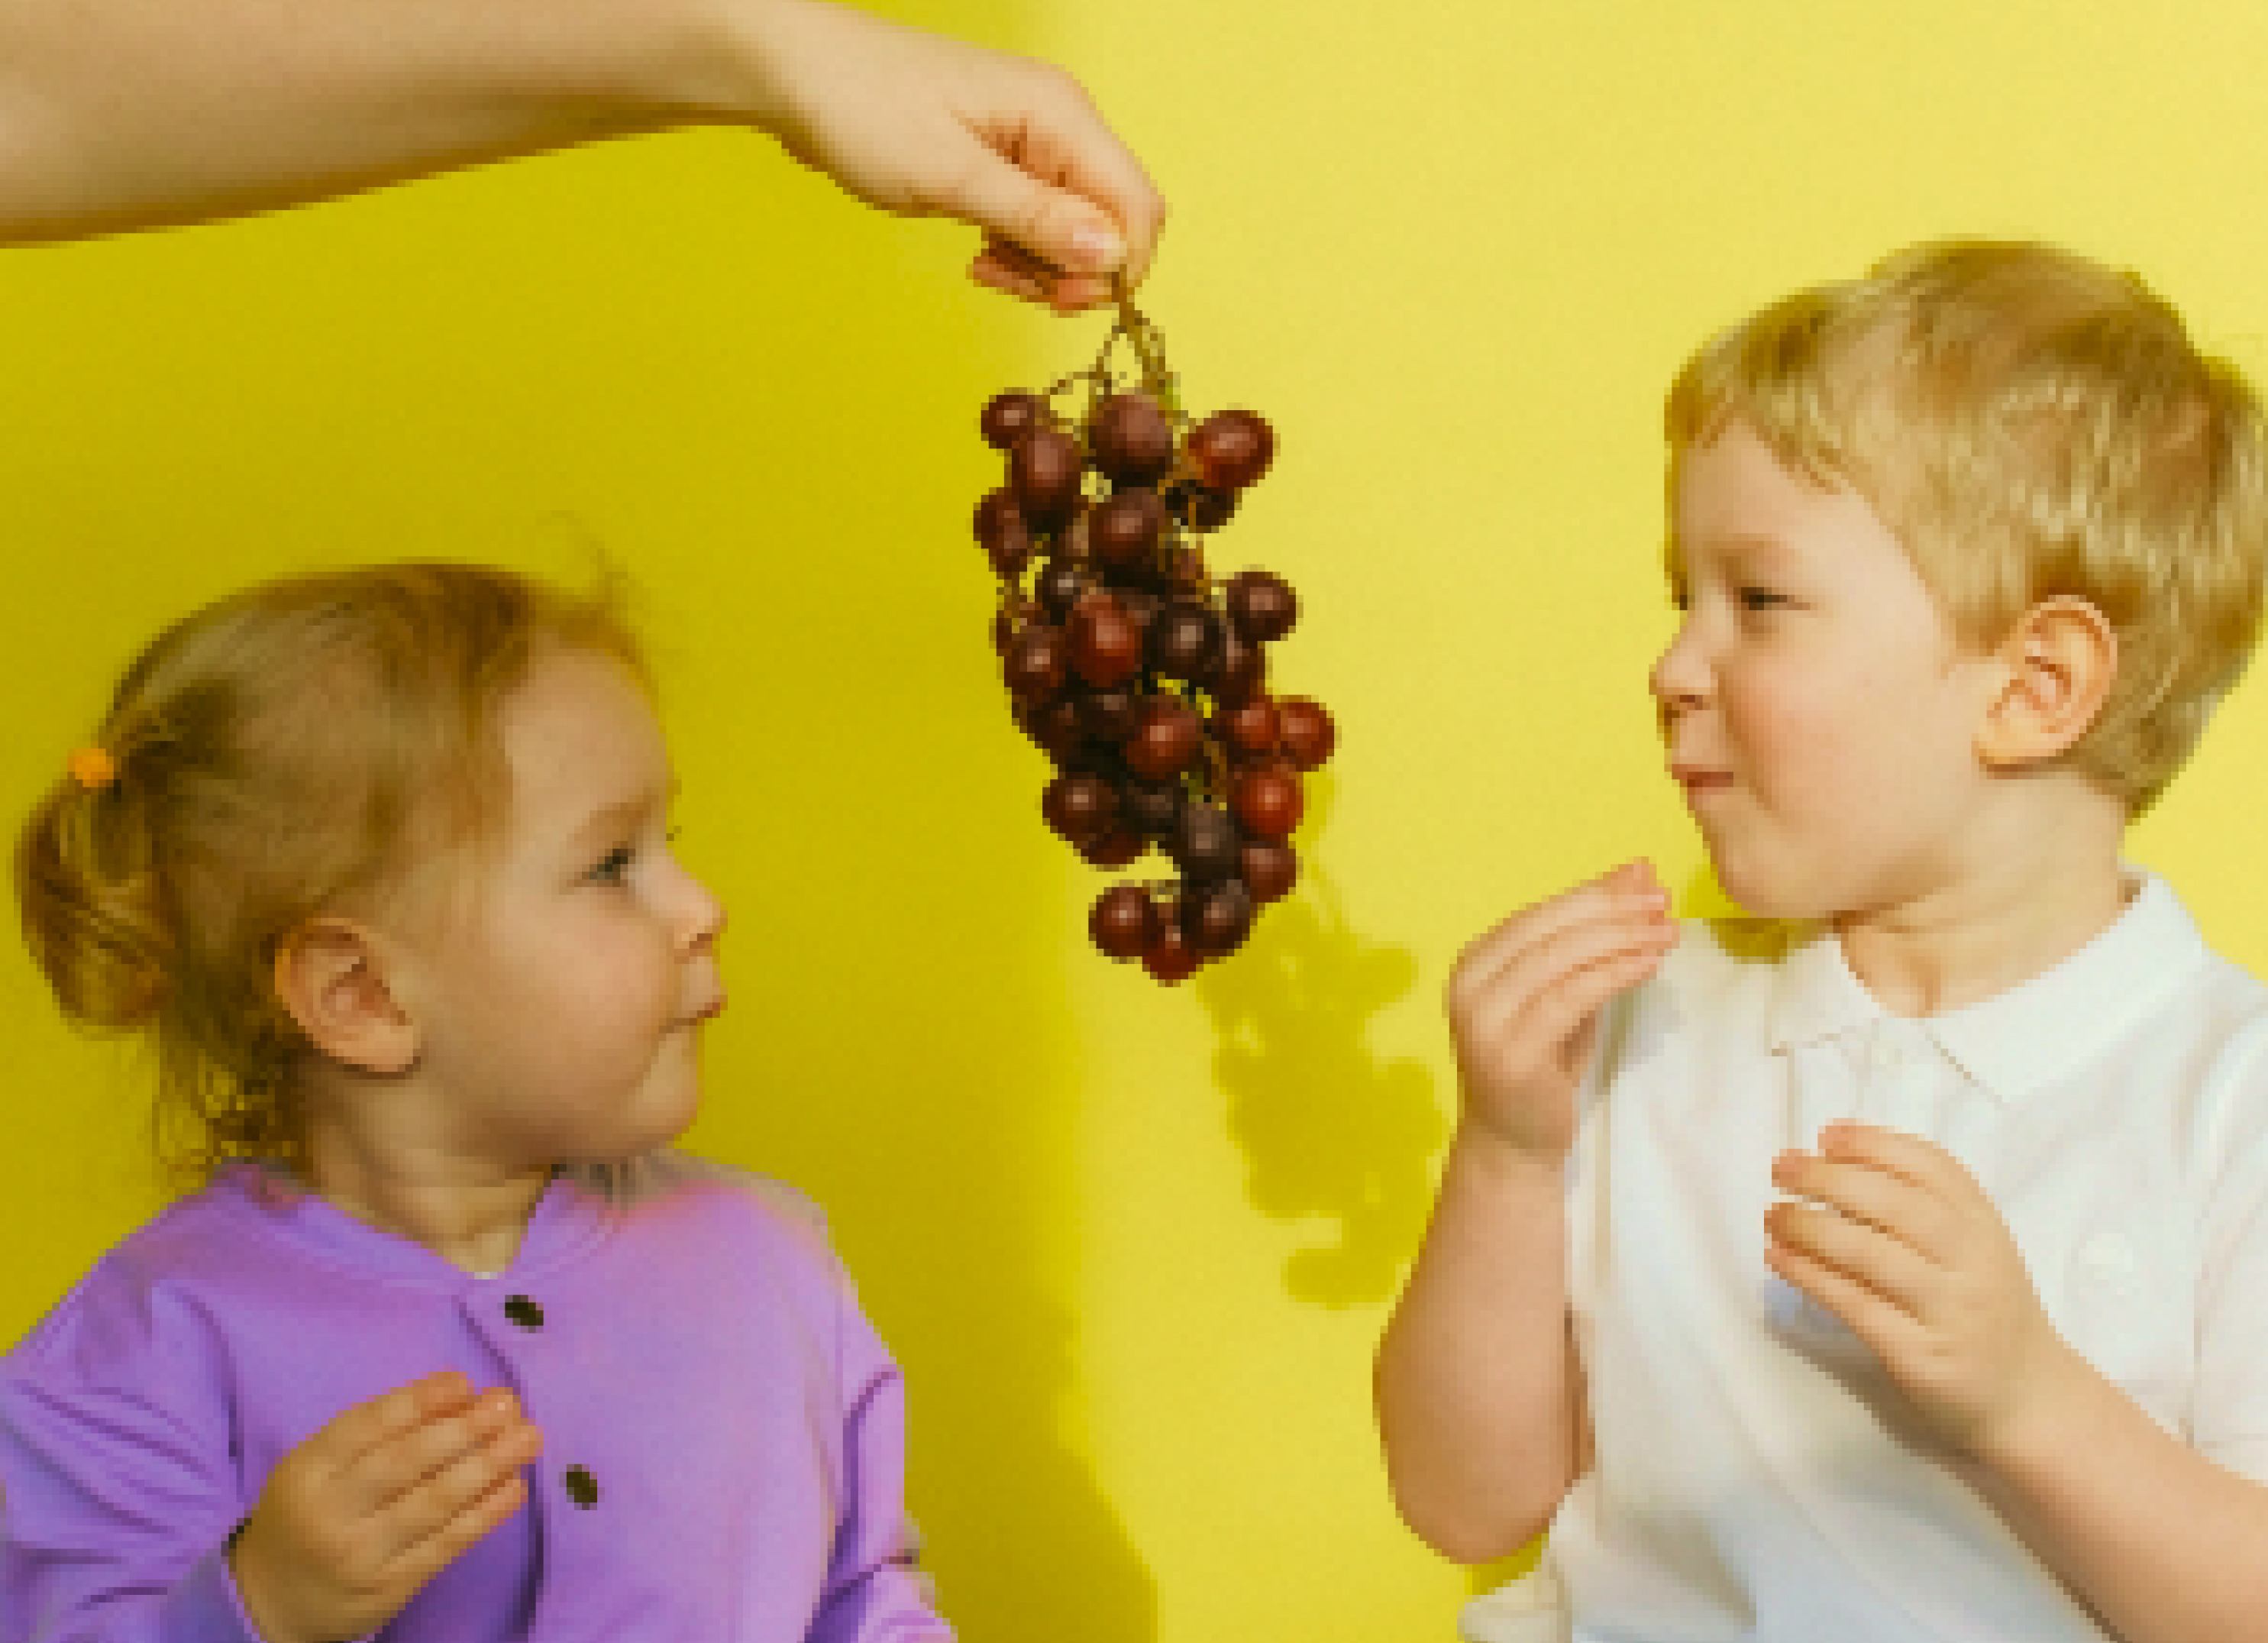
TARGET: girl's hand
(1899,1241)
(356,1519)
(923,125)
(1524,1002)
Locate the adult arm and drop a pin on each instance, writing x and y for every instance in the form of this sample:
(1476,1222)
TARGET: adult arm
(128,113)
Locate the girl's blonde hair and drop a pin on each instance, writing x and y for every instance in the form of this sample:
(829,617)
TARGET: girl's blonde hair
(2032,424)
(289,750)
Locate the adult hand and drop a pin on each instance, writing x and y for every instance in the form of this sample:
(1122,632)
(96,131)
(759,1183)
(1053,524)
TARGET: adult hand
(1524,1002)
(920,124)
(355,1519)
(1891,1235)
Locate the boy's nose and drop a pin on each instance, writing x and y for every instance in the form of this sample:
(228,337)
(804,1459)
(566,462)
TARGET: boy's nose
(1679,680)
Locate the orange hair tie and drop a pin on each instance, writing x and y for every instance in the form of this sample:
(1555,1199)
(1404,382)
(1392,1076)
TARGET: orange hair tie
(94,769)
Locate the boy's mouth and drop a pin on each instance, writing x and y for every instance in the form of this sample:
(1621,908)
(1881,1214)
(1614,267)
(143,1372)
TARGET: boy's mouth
(1696,778)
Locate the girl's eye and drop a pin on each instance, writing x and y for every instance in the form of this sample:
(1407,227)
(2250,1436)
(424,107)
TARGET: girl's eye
(614,865)
(1761,598)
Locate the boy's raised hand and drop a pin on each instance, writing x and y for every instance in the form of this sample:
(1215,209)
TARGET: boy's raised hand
(1524,1001)
(355,1519)
(1892,1236)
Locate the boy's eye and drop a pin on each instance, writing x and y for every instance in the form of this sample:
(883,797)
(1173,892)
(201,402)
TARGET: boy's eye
(1761,598)
(614,865)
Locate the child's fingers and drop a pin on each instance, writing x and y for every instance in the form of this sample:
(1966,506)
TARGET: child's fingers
(1891,1269)
(444,1541)
(1629,890)
(376,1422)
(1533,993)
(386,1471)
(1891,1334)
(1864,1192)
(457,1498)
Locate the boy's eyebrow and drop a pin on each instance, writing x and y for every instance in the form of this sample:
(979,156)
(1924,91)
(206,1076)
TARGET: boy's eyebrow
(610,817)
(1736,545)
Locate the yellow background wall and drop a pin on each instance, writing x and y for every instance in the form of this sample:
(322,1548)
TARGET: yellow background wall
(1132,1245)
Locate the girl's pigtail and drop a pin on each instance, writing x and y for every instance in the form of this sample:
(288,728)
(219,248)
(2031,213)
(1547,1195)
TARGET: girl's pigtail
(93,910)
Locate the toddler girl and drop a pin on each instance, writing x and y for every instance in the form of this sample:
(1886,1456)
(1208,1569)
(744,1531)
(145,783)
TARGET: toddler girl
(446,1342)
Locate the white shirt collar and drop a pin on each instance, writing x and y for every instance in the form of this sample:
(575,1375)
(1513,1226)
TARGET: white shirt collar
(2034,1032)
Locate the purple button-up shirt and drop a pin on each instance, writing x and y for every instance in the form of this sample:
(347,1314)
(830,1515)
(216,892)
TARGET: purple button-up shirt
(724,1435)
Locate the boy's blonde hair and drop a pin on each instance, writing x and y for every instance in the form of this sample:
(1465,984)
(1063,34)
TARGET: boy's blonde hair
(2030,425)
(290,749)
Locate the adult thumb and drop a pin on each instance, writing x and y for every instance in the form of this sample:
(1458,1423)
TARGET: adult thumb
(1062,229)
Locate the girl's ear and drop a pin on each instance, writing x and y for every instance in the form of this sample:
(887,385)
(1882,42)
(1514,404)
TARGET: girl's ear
(2061,658)
(330,976)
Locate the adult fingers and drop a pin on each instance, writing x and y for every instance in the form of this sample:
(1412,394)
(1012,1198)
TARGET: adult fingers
(1066,176)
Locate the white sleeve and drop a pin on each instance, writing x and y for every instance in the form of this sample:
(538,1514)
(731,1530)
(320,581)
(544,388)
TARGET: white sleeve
(2229,1409)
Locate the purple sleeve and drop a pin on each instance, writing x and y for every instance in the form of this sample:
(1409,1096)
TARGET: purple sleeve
(115,1510)
(876,1590)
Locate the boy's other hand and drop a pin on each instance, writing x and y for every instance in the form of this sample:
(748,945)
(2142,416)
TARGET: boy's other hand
(921,124)
(1892,1236)
(1524,1001)
(355,1519)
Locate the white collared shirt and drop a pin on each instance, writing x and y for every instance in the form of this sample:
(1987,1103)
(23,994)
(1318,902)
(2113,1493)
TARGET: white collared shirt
(1756,1477)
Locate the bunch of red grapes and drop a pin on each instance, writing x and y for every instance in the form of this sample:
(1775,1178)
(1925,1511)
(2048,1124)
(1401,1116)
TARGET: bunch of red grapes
(1143,678)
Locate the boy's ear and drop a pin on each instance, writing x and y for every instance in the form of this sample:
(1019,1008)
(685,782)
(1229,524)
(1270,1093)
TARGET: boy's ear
(330,976)
(2059,659)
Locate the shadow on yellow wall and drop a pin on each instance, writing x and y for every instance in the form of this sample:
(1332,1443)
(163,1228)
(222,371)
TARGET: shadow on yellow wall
(1332,1134)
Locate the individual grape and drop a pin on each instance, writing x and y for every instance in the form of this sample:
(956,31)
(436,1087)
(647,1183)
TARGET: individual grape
(1169,957)
(1106,646)
(1132,440)
(1205,508)
(1044,469)
(1217,917)
(1267,802)
(1078,806)
(1037,657)
(1154,806)
(1267,867)
(1109,714)
(1123,529)
(1113,847)
(1261,605)
(1306,730)
(1166,738)
(1060,727)
(1185,571)
(1184,640)
(1249,726)
(1010,554)
(1230,450)
(1124,921)
(1207,842)
(997,513)
(1009,416)
(1060,585)
(1239,671)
